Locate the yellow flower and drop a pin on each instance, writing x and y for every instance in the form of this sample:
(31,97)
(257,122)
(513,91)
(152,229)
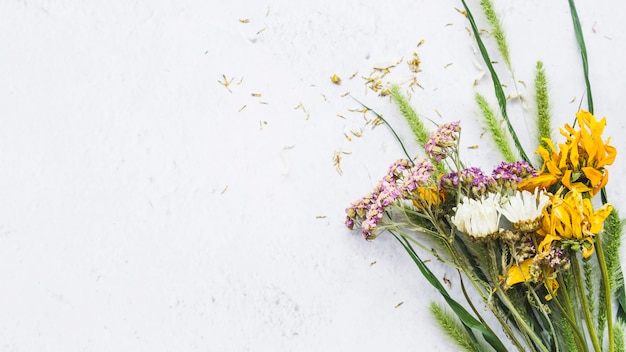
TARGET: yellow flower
(524,272)
(428,196)
(572,217)
(580,162)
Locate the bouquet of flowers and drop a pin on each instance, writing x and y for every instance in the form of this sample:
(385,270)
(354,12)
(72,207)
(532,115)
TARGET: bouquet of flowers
(538,244)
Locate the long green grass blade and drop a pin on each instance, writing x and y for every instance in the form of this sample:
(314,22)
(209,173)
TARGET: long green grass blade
(466,318)
(583,52)
(497,86)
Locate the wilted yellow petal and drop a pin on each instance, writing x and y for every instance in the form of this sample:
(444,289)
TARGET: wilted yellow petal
(598,217)
(544,245)
(594,176)
(609,158)
(542,182)
(518,274)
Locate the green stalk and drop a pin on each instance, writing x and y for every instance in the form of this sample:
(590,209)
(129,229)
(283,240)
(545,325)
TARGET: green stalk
(469,301)
(583,52)
(521,322)
(540,307)
(607,292)
(583,300)
(491,272)
(569,314)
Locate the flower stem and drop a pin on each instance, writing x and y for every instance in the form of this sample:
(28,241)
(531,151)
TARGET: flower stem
(585,306)
(569,314)
(469,301)
(607,292)
(521,322)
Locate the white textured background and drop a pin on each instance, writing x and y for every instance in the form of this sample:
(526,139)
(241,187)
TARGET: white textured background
(142,210)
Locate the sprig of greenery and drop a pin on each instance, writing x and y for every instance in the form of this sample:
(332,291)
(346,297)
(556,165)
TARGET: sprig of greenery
(590,283)
(613,229)
(619,337)
(568,336)
(612,239)
(417,126)
(544,121)
(493,124)
(450,325)
(496,31)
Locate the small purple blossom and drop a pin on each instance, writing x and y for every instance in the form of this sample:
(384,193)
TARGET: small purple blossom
(515,172)
(442,142)
(557,258)
(473,181)
(417,175)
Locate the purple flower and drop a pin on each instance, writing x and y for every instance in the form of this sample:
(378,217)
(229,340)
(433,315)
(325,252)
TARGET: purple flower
(556,258)
(401,180)
(474,182)
(442,142)
(515,172)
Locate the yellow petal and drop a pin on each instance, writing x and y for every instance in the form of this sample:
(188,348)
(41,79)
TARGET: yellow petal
(587,252)
(599,216)
(609,158)
(518,274)
(542,182)
(594,176)
(546,243)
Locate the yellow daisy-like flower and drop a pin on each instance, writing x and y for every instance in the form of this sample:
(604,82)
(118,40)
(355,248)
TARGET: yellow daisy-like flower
(579,162)
(572,217)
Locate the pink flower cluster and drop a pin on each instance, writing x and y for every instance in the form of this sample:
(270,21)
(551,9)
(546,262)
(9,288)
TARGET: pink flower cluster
(402,179)
(442,142)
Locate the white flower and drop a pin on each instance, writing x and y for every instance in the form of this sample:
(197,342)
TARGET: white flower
(524,209)
(478,218)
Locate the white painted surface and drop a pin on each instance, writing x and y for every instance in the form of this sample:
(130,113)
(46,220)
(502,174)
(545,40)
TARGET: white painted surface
(142,211)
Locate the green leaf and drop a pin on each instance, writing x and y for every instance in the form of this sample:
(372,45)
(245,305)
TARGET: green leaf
(583,52)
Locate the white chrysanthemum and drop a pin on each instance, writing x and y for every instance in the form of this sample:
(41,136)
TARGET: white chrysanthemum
(523,209)
(478,218)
